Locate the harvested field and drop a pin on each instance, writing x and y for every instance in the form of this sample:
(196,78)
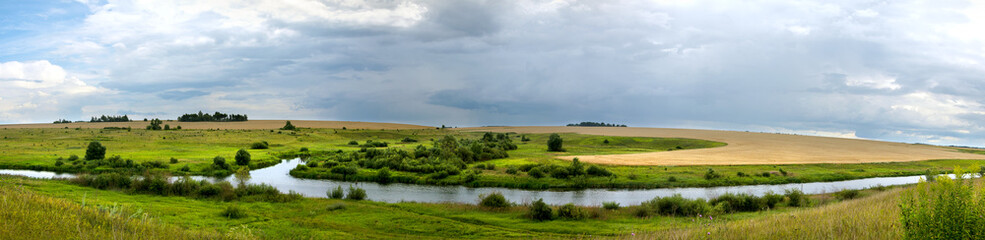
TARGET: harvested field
(747,148)
(252,124)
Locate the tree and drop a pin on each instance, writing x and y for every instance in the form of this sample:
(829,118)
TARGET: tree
(155,124)
(242,157)
(554,143)
(220,162)
(383,176)
(95,151)
(288,126)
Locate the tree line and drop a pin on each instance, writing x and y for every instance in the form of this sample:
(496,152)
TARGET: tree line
(595,124)
(105,118)
(217,117)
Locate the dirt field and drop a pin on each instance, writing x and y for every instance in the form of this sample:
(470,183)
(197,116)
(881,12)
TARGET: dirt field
(252,124)
(752,148)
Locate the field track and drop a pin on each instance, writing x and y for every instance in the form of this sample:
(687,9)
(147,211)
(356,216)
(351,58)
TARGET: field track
(252,124)
(746,148)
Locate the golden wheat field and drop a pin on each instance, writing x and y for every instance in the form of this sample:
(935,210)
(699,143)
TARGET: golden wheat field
(252,124)
(751,148)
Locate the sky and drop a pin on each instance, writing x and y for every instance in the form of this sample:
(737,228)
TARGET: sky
(908,71)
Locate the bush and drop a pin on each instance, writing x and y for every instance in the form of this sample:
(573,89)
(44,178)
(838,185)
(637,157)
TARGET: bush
(540,211)
(174,160)
(943,209)
(383,175)
(73,157)
(711,174)
(95,151)
(739,203)
(536,173)
(336,194)
(847,194)
(570,211)
(598,171)
(219,162)
(185,168)
(408,140)
(353,143)
(771,199)
(356,193)
(494,200)
(304,149)
(610,205)
(260,145)
(234,212)
(242,157)
(676,205)
(796,198)
(671,179)
(740,174)
(288,126)
(512,170)
(554,143)
(782,172)
(59,162)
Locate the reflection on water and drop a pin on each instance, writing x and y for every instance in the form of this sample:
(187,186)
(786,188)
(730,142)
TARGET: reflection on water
(278,177)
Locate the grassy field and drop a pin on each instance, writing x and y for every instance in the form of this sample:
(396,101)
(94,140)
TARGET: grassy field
(40,148)
(125,215)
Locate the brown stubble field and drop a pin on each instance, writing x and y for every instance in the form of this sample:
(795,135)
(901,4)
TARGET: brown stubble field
(748,148)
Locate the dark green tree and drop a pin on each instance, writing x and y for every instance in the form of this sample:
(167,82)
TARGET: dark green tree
(95,151)
(288,126)
(554,143)
(242,157)
(540,211)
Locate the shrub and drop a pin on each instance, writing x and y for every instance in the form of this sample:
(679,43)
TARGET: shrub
(796,198)
(185,168)
(676,205)
(494,200)
(512,170)
(536,173)
(288,126)
(353,143)
(383,175)
(671,179)
(739,203)
(304,149)
(95,151)
(598,171)
(336,194)
(356,193)
(606,141)
(740,174)
(771,199)
(260,145)
(470,176)
(73,157)
(540,211)
(847,194)
(233,212)
(554,143)
(711,174)
(174,160)
(610,205)
(782,172)
(943,209)
(242,157)
(408,140)
(59,162)
(570,211)
(220,162)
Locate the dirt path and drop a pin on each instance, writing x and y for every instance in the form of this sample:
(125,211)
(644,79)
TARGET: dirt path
(751,148)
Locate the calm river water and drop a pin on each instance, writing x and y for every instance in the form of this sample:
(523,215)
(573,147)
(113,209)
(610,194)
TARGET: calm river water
(278,177)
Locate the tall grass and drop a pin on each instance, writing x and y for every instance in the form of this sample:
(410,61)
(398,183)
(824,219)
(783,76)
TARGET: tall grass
(28,215)
(944,208)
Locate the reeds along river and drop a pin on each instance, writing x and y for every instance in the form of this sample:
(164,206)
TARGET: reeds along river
(278,177)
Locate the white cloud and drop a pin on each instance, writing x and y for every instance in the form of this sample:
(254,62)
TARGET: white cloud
(33,90)
(876,81)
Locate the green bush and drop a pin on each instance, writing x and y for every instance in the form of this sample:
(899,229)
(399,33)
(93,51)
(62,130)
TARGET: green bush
(383,175)
(676,205)
(219,162)
(174,160)
(536,173)
(944,208)
(598,171)
(739,203)
(95,151)
(242,157)
(711,174)
(540,211)
(304,149)
(336,194)
(671,179)
(185,168)
(555,143)
(610,205)
(847,194)
(288,126)
(512,170)
(234,212)
(73,157)
(796,198)
(494,200)
(260,145)
(353,143)
(772,199)
(356,193)
(570,211)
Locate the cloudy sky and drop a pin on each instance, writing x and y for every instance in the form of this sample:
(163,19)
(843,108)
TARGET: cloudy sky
(891,70)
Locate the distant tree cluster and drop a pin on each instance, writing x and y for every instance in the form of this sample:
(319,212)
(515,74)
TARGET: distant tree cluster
(595,124)
(217,117)
(63,121)
(105,118)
